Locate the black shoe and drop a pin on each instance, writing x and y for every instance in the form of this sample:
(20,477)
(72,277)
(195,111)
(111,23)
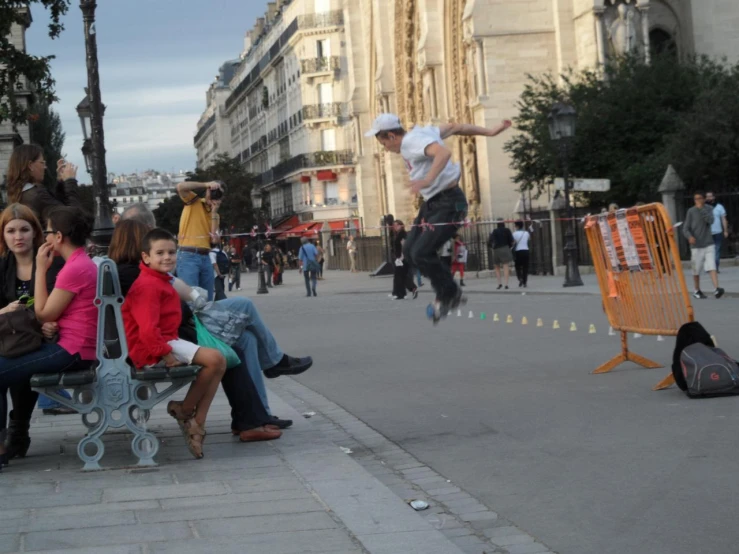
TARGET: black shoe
(315,293)
(308,295)
(506,287)
(461,282)
(415,293)
(719,292)
(499,287)
(289,366)
(18,439)
(281,423)
(699,294)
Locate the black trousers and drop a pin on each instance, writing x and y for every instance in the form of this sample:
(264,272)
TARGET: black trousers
(247,410)
(220,288)
(422,245)
(235,278)
(521,258)
(403,280)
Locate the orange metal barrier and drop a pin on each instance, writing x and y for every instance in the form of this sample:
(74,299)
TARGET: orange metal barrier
(637,262)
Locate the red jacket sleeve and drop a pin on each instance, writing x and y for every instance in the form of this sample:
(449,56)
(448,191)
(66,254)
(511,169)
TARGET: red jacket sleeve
(143,306)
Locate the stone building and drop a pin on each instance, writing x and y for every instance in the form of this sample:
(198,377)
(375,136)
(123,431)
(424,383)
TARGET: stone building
(435,61)
(286,115)
(11,136)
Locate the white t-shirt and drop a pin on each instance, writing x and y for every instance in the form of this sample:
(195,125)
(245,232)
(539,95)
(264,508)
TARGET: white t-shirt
(521,239)
(213,259)
(446,249)
(413,150)
(718,225)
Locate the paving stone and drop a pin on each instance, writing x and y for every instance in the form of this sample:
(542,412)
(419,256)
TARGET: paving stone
(113,536)
(467,509)
(80,496)
(457,532)
(445,498)
(123,549)
(283,507)
(512,540)
(417,542)
(263,485)
(411,465)
(102,518)
(182,490)
(9,542)
(527,548)
(297,542)
(479,516)
(503,531)
(237,526)
(443,491)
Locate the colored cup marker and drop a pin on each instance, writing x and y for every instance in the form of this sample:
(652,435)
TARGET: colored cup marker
(555,325)
(591,331)
(496,317)
(524,321)
(573,327)
(540,322)
(509,319)
(482,315)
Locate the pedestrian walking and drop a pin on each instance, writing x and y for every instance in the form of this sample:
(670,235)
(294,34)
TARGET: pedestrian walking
(436,178)
(268,264)
(460,258)
(719,227)
(279,266)
(403,279)
(221,268)
(246,258)
(351,248)
(234,279)
(501,241)
(445,254)
(199,224)
(521,239)
(321,258)
(697,229)
(309,265)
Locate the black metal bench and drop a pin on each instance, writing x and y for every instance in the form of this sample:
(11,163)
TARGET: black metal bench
(112,394)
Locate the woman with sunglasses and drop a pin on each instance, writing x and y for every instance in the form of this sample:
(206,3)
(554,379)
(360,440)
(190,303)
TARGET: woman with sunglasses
(69,305)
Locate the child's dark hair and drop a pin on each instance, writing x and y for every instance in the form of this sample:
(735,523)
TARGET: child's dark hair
(155,235)
(399,132)
(519,225)
(73,223)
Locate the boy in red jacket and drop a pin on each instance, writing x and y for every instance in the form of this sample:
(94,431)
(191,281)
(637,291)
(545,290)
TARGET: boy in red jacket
(152,315)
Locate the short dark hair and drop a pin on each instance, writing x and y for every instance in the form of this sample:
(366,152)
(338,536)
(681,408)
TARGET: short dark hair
(155,235)
(397,132)
(699,193)
(72,222)
(519,224)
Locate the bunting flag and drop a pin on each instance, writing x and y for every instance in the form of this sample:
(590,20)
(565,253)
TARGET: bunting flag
(254,231)
(268,232)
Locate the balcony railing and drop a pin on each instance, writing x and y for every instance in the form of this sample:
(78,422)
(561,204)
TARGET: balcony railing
(204,129)
(324,158)
(319,65)
(318,20)
(321,111)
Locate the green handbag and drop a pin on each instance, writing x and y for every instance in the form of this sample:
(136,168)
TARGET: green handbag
(209,341)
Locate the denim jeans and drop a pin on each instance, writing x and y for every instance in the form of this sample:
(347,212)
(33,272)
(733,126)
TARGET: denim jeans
(196,270)
(311,279)
(718,240)
(257,343)
(247,409)
(45,403)
(422,245)
(50,358)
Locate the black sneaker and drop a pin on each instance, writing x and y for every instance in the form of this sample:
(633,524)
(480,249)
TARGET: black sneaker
(719,292)
(415,293)
(699,294)
(281,423)
(289,366)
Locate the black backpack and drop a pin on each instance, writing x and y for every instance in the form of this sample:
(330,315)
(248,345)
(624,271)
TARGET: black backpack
(222,262)
(708,371)
(690,333)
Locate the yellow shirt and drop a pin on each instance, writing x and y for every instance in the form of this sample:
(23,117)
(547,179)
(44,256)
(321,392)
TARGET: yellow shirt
(196,221)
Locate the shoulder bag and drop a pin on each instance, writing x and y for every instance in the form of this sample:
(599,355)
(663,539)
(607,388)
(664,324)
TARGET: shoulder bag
(20,333)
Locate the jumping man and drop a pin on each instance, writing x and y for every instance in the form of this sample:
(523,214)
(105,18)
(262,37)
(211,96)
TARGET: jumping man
(436,178)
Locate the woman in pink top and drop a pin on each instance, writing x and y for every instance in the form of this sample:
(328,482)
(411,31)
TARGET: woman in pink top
(70,305)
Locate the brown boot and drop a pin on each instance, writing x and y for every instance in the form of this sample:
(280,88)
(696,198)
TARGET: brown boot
(259,434)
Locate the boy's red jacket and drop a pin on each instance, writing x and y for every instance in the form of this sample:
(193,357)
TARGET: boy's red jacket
(151,315)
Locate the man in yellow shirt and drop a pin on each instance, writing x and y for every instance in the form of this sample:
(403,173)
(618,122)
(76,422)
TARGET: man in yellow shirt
(199,224)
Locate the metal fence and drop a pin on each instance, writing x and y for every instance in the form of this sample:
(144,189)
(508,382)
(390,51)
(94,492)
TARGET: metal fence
(371,252)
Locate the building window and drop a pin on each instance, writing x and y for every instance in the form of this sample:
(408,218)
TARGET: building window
(331,193)
(328,140)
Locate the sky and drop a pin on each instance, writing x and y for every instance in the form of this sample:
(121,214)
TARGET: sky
(156,59)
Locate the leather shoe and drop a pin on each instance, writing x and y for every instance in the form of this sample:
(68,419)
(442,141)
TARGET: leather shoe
(291,366)
(280,423)
(268,426)
(259,434)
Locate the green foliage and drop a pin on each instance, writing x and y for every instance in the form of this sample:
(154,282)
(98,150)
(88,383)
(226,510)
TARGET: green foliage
(633,121)
(168,214)
(17,64)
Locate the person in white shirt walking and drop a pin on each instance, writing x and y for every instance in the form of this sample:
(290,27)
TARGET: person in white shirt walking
(351,248)
(719,227)
(521,239)
(436,178)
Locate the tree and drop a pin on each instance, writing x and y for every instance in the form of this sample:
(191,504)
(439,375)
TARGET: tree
(17,64)
(168,214)
(46,131)
(236,210)
(633,121)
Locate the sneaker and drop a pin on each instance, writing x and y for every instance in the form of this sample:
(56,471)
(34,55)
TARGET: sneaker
(699,294)
(719,292)
(461,282)
(415,294)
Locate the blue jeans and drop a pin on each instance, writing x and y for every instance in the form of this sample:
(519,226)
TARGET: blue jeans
(50,358)
(419,279)
(257,343)
(311,279)
(46,403)
(196,270)
(718,240)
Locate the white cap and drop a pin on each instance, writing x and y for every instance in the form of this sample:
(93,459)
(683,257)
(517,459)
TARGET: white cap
(384,122)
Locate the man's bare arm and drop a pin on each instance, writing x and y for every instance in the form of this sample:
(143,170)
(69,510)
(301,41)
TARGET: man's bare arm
(466,130)
(441,155)
(189,186)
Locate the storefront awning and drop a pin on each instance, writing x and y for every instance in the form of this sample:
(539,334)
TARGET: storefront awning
(343,225)
(303,230)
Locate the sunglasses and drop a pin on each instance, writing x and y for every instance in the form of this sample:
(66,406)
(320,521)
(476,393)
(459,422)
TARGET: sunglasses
(50,232)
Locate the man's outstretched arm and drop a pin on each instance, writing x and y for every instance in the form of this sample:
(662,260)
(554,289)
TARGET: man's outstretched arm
(467,130)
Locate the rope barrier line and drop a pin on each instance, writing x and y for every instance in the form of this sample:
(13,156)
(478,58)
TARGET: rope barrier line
(424,226)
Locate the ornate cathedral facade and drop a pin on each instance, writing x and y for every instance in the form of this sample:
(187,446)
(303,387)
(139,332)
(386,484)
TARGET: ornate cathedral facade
(437,61)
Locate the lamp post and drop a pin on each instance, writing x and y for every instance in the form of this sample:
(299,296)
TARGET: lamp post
(91,112)
(256,201)
(562,124)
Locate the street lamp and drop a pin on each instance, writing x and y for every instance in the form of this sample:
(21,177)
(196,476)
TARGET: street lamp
(562,125)
(91,113)
(256,202)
